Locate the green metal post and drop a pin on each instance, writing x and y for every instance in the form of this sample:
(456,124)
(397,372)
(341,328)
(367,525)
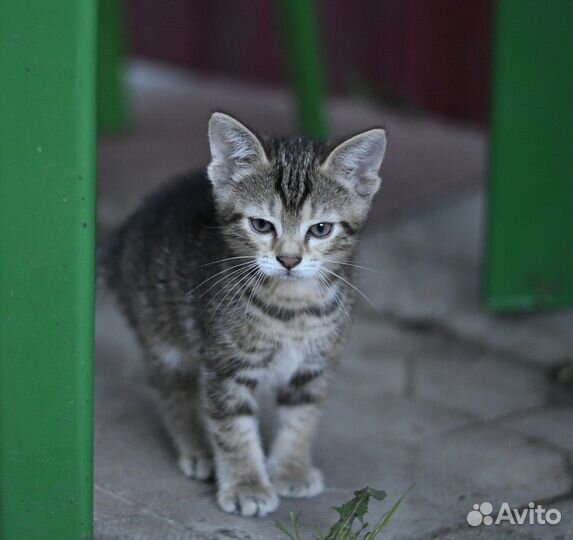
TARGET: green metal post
(301,28)
(110,95)
(529,251)
(47,143)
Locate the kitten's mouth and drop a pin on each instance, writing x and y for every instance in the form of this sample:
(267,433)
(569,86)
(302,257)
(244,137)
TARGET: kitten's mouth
(289,276)
(292,276)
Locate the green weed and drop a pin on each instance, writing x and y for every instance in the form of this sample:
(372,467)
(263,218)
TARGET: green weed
(351,524)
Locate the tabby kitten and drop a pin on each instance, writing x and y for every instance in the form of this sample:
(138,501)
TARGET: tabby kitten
(239,277)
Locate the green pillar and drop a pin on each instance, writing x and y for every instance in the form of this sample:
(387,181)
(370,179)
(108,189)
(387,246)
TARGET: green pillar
(529,251)
(303,46)
(110,95)
(47,112)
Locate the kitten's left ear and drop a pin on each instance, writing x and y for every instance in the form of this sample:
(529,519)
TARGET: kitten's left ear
(357,160)
(235,150)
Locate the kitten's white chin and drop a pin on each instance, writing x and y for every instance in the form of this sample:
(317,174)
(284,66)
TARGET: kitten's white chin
(293,276)
(295,286)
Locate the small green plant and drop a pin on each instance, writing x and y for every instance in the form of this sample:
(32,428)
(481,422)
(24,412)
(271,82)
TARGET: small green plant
(350,524)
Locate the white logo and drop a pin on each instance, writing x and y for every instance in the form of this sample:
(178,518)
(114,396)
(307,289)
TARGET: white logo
(482,515)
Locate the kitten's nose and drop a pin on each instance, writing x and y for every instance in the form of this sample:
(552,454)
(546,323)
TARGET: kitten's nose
(289,262)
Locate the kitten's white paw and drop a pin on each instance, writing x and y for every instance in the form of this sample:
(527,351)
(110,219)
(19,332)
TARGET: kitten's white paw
(298,482)
(248,499)
(197,466)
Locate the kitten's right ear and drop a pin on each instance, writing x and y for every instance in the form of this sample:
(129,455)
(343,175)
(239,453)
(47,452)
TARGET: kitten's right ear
(235,150)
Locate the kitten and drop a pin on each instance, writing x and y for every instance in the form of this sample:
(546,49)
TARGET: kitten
(241,276)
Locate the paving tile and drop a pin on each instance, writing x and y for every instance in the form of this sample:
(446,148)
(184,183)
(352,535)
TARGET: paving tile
(552,424)
(109,506)
(377,351)
(479,384)
(369,416)
(419,283)
(541,339)
(117,518)
(137,526)
(481,463)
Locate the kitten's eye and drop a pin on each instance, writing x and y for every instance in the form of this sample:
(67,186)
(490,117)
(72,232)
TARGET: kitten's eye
(261,226)
(320,230)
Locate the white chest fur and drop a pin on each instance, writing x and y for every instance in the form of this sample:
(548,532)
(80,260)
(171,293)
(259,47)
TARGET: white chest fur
(285,363)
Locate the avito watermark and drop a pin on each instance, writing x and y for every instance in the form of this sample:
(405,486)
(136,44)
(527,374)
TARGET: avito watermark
(482,514)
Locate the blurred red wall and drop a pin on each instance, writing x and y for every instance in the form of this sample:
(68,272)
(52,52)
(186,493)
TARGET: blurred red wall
(428,54)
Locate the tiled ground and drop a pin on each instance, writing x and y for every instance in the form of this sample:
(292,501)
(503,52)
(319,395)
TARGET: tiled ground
(433,393)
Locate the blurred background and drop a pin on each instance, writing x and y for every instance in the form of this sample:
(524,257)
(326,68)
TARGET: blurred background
(422,56)
(464,373)
(421,69)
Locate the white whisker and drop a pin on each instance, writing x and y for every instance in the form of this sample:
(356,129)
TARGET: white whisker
(244,288)
(243,266)
(235,286)
(352,265)
(337,299)
(228,259)
(214,276)
(321,301)
(354,287)
(256,286)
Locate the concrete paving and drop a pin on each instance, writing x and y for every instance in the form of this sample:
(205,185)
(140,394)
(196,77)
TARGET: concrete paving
(433,393)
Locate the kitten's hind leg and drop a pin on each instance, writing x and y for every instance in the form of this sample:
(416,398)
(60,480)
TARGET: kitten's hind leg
(177,396)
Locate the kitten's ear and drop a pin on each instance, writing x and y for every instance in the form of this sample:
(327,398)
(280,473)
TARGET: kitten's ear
(357,160)
(235,150)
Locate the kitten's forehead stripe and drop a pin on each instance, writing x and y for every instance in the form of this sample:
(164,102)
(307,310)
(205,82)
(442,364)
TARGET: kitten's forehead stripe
(294,162)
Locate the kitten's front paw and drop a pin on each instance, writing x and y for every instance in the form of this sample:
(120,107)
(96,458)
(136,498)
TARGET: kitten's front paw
(197,466)
(248,499)
(297,482)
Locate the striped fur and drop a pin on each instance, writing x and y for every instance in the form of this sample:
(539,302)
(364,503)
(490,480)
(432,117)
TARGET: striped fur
(219,316)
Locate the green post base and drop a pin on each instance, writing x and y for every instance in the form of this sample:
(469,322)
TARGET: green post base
(47,162)
(529,251)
